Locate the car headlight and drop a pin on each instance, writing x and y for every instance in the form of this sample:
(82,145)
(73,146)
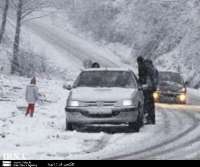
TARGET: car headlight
(74,103)
(182,97)
(127,103)
(156,95)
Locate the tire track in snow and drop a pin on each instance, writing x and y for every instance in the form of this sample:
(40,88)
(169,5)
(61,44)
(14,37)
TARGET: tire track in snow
(184,142)
(103,142)
(180,143)
(162,131)
(141,153)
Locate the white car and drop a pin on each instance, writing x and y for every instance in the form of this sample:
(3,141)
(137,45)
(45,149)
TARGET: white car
(105,96)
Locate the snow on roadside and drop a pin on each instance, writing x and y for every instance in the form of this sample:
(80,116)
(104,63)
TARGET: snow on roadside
(194,92)
(193,96)
(44,136)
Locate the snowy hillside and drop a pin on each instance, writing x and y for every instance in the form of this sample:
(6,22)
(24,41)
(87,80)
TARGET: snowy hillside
(161,30)
(34,59)
(166,31)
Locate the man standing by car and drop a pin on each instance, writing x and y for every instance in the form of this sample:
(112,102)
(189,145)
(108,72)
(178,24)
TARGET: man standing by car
(142,71)
(152,83)
(96,65)
(148,75)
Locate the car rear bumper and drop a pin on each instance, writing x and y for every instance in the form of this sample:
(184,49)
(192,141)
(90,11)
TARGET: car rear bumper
(90,116)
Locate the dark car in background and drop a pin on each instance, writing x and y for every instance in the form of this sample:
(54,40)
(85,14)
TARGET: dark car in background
(171,89)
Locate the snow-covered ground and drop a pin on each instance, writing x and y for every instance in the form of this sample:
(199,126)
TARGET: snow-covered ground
(176,135)
(44,136)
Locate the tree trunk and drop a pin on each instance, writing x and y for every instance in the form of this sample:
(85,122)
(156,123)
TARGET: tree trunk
(4,20)
(15,63)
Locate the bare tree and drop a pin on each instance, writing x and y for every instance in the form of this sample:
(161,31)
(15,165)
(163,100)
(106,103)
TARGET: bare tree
(15,63)
(4,19)
(24,8)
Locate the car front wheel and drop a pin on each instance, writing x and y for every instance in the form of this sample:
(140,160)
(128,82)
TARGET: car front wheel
(134,126)
(140,121)
(69,126)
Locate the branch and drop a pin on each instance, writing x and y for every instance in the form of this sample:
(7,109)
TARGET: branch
(13,2)
(34,18)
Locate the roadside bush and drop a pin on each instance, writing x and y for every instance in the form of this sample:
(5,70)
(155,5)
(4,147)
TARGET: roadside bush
(31,64)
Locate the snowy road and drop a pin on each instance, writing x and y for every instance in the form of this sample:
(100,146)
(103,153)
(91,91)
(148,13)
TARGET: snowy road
(176,135)
(177,138)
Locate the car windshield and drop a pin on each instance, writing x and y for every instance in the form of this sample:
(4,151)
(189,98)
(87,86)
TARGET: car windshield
(170,77)
(106,79)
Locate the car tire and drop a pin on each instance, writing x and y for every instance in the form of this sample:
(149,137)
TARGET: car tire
(139,123)
(69,126)
(134,127)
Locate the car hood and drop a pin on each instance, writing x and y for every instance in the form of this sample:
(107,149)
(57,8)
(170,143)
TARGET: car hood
(170,86)
(102,94)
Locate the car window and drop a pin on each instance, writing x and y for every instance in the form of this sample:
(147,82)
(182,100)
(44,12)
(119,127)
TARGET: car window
(170,77)
(121,79)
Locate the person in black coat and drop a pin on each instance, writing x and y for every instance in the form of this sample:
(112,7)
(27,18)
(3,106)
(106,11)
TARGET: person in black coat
(152,83)
(142,71)
(96,65)
(147,72)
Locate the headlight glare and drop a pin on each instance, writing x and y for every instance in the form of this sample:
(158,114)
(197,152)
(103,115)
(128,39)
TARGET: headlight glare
(156,95)
(74,103)
(127,103)
(182,97)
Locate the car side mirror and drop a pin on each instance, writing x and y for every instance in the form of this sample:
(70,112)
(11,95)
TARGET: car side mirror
(142,87)
(67,87)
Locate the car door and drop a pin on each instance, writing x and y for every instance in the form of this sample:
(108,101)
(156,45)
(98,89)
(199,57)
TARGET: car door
(140,95)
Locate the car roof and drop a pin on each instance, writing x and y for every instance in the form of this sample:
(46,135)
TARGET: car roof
(108,69)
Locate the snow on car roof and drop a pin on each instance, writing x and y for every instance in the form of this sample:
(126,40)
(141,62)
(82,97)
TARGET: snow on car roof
(107,69)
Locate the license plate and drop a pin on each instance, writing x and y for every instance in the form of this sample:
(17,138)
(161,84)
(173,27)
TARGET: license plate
(102,111)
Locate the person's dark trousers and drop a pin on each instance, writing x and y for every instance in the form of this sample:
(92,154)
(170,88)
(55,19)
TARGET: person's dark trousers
(146,103)
(149,105)
(152,115)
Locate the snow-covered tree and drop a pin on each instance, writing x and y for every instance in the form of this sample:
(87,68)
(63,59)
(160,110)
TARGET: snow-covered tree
(24,9)
(151,27)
